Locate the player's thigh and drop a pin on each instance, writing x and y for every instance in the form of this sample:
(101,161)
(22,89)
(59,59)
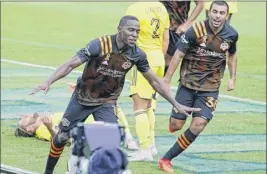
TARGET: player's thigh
(139,85)
(184,96)
(173,39)
(207,101)
(74,113)
(106,113)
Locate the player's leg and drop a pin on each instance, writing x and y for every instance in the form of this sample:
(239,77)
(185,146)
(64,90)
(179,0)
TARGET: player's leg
(129,141)
(159,71)
(73,114)
(207,101)
(141,92)
(184,96)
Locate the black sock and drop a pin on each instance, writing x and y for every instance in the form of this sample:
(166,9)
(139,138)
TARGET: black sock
(180,145)
(55,151)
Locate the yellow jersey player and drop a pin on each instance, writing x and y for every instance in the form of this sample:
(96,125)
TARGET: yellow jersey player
(153,40)
(45,125)
(232,8)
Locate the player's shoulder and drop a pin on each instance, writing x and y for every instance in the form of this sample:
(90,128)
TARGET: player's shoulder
(139,53)
(231,30)
(199,28)
(105,43)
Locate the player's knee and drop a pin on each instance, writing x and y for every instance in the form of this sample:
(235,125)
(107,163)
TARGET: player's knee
(175,125)
(198,126)
(62,137)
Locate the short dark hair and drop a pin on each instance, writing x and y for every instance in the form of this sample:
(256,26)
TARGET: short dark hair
(126,18)
(220,3)
(19,132)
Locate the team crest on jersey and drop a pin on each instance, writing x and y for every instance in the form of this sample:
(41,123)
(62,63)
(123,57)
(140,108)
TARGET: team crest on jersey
(126,65)
(224,46)
(105,62)
(65,122)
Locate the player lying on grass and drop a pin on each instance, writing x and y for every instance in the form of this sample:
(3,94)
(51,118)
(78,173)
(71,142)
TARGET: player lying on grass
(43,125)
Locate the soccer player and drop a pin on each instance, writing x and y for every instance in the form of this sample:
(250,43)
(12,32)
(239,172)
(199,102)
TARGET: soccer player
(153,40)
(129,141)
(180,21)
(203,49)
(232,8)
(108,59)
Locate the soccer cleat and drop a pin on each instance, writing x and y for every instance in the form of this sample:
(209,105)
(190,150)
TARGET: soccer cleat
(131,145)
(165,165)
(142,155)
(154,150)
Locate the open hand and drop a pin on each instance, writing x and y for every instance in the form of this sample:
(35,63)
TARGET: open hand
(47,121)
(183,28)
(231,85)
(184,109)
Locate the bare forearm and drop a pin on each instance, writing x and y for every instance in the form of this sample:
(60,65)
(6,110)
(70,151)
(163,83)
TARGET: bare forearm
(53,131)
(172,67)
(61,72)
(197,10)
(232,65)
(163,90)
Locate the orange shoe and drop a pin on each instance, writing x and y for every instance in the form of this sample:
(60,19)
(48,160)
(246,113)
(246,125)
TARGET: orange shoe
(165,165)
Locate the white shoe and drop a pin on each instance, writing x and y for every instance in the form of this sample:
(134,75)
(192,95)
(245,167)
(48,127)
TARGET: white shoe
(154,150)
(131,145)
(142,155)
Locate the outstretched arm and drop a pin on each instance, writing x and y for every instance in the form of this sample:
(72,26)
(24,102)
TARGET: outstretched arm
(60,72)
(176,59)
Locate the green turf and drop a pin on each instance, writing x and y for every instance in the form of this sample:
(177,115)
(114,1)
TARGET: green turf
(48,33)
(69,25)
(253,156)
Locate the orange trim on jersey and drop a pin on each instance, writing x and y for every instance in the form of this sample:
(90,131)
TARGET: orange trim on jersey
(200,29)
(105,45)
(102,46)
(185,139)
(196,31)
(110,44)
(204,28)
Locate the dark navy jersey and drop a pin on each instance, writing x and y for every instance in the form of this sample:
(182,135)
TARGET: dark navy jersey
(178,12)
(204,62)
(104,73)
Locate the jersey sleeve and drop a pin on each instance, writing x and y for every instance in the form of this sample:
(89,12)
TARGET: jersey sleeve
(187,40)
(232,49)
(42,133)
(142,63)
(91,50)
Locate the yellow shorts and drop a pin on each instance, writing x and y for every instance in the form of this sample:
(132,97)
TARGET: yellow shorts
(139,85)
(232,6)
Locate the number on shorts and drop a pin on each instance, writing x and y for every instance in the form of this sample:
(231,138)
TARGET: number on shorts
(211,102)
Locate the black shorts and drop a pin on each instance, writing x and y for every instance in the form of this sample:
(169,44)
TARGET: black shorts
(206,100)
(172,43)
(76,113)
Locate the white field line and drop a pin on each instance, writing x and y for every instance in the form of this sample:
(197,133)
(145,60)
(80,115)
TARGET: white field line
(79,72)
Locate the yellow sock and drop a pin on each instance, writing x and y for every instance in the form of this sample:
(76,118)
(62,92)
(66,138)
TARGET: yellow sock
(151,119)
(122,119)
(90,119)
(142,129)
